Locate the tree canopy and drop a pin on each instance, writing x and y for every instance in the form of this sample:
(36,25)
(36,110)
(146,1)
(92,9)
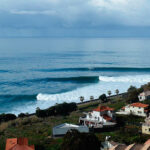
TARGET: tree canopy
(75,140)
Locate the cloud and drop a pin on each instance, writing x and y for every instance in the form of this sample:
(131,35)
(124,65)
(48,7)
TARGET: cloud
(33,12)
(94,14)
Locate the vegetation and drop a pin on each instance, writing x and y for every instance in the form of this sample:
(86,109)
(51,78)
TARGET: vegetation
(82,98)
(103,98)
(59,109)
(91,98)
(109,93)
(7,117)
(117,91)
(75,140)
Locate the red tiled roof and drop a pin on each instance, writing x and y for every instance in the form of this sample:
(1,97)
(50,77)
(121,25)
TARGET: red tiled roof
(123,107)
(106,117)
(18,144)
(22,141)
(103,108)
(10,143)
(139,105)
(21,147)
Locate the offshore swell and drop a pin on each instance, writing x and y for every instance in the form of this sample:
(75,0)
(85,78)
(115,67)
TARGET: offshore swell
(107,69)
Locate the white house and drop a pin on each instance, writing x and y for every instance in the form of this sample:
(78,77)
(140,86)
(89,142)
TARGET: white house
(138,109)
(62,129)
(144,96)
(99,117)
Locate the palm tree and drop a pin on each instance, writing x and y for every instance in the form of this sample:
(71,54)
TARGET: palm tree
(109,92)
(82,98)
(91,98)
(117,91)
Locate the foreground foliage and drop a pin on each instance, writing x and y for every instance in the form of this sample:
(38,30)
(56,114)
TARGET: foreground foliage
(75,140)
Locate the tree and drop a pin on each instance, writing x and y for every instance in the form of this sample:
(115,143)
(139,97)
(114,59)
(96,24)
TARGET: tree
(91,98)
(103,98)
(117,91)
(109,93)
(131,88)
(132,96)
(82,98)
(75,140)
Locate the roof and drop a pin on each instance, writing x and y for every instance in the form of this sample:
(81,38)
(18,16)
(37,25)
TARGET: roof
(146,93)
(139,105)
(103,108)
(10,143)
(137,147)
(121,147)
(123,108)
(106,117)
(147,142)
(18,144)
(21,147)
(66,125)
(129,147)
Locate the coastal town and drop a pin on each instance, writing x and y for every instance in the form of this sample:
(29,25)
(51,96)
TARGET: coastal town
(117,122)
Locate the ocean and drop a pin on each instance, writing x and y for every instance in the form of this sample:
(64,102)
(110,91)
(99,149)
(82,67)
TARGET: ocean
(40,72)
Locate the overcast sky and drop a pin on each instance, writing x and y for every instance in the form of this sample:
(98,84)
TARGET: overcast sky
(74,17)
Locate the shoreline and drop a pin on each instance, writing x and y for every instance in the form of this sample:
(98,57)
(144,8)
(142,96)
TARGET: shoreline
(78,104)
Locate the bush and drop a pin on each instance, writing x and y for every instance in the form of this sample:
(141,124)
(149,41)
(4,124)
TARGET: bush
(60,109)
(7,117)
(22,115)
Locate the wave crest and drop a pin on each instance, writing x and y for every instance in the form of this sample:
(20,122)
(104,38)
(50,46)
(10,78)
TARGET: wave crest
(129,79)
(80,79)
(107,83)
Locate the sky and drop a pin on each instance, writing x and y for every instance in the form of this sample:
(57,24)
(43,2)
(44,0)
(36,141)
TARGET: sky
(99,18)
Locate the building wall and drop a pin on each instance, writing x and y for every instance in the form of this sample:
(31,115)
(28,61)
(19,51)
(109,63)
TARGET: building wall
(95,115)
(145,129)
(135,110)
(141,98)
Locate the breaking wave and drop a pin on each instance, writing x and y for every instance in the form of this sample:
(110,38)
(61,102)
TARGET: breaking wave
(106,83)
(129,79)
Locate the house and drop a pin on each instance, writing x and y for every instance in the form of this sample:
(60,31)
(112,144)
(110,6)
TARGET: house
(100,117)
(62,129)
(144,96)
(146,126)
(18,144)
(137,109)
(145,146)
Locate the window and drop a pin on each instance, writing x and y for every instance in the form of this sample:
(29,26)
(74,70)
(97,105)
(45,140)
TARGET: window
(139,107)
(149,129)
(139,112)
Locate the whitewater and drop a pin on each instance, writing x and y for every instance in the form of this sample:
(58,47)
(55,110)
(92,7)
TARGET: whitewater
(105,83)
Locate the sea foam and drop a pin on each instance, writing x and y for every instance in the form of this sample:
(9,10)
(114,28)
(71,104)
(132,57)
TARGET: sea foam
(106,83)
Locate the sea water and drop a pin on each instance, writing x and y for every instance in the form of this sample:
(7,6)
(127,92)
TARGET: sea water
(40,72)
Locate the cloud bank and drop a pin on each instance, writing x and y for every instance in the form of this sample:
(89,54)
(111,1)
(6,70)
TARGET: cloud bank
(58,16)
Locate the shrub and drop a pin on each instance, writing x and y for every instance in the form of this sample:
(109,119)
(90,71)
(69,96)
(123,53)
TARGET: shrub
(7,117)
(22,115)
(60,109)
